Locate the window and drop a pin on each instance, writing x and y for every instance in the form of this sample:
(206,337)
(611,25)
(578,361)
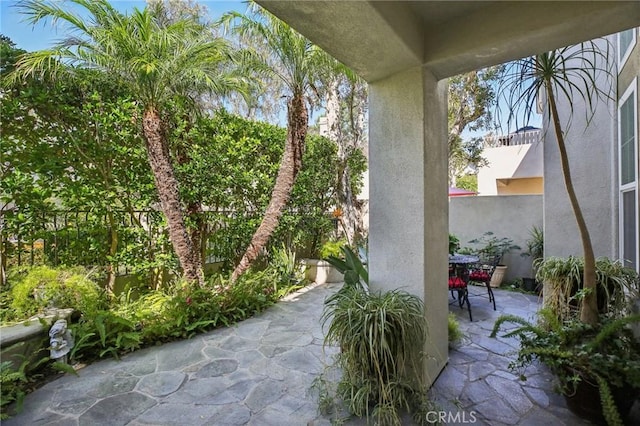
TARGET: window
(626,41)
(627,142)
(629,231)
(628,176)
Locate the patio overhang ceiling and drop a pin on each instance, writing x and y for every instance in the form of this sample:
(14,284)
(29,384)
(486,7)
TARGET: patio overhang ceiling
(380,38)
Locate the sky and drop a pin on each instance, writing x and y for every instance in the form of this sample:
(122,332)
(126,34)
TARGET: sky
(42,36)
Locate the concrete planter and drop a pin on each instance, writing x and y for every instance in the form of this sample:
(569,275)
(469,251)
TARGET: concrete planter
(498,276)
(321,271)
(29,339)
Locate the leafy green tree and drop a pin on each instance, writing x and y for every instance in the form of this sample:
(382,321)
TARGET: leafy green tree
(240,159)
(73,142)
(468,182)
(8,54)
(297,63)
(346,98)
(159,63)
(471,98)
(571,73)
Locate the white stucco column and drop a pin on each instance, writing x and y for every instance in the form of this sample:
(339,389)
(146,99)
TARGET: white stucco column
(408,224)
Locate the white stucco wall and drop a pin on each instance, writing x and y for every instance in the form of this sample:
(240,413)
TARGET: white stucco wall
(592,153)
(408,205)
(520,161)
(510,216)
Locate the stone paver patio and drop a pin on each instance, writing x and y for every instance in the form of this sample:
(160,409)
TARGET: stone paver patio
(259,372)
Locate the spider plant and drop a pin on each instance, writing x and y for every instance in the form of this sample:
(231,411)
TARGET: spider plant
(381,336)
(615,286)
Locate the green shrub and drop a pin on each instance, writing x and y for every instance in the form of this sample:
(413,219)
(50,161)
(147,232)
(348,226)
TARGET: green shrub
(332,248)
(381,337)
(455,334)
(12,385)
(43,287)
(287,272)
(615,285)
(104,333)
(17,381)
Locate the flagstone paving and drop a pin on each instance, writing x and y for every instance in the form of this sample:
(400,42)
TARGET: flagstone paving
(259,372)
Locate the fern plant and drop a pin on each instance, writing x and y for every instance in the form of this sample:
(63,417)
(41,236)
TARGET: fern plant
(607,354)
(12,387)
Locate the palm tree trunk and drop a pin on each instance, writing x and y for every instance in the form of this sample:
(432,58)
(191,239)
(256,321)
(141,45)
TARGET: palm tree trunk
(589,305)
(297,119)
(167,186)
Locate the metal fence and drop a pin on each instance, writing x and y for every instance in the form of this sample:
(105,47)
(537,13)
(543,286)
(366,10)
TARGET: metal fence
(127,241)
(119,238)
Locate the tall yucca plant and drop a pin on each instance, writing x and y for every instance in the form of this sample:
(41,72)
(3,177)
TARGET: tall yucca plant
(571,73)
(158,62)
(287,56)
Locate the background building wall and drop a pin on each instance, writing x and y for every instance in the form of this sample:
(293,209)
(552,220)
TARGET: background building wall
(506,162)
(511,216)
(592,152)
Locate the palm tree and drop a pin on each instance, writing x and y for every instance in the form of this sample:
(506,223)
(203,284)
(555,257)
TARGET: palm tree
(159,62)
(570,73)
(297,63)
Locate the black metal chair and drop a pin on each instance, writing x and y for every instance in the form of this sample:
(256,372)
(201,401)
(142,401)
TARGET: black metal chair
(458,283)
(482,272)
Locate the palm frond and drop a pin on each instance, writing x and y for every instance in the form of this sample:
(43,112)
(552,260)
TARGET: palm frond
(156,60)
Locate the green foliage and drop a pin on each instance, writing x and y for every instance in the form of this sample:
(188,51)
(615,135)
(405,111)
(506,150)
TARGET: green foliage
(15,383)
(615,285)
(43,287)
(491,246)
(381,336)
(8,54)
(288,274)
(535,246)
(470,99)
(574,351)
(240,159)
(104,333)
(12,384)
(332,248)
(355,273)
(468,182)
(455,334)
(454,244)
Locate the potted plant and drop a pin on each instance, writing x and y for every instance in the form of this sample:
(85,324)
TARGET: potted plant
(597,366)
(563,281)
(491,250)
(454,244)
(381,336)
(535,249)
(320,270)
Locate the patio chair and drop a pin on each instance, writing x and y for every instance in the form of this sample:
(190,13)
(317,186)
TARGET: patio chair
(482,272)
(458,283)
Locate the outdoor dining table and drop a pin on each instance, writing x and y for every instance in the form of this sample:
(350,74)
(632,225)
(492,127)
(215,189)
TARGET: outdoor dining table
(459,277)
(459,259)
